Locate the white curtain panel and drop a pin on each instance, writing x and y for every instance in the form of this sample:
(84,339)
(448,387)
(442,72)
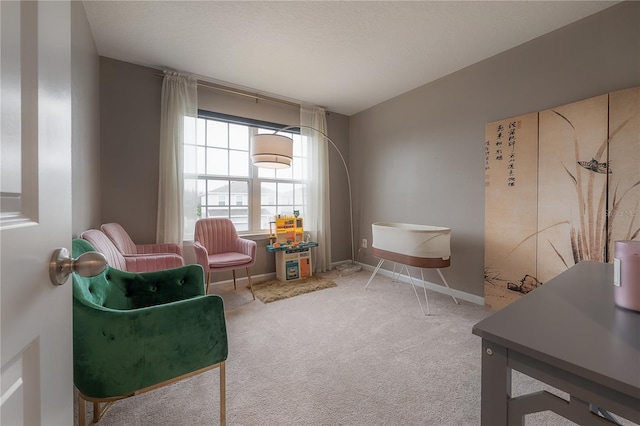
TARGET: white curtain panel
(178,111)
(317,220)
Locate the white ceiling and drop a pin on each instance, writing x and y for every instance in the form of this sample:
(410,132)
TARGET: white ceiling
(344,55)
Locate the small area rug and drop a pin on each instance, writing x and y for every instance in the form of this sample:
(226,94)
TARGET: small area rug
(272,290)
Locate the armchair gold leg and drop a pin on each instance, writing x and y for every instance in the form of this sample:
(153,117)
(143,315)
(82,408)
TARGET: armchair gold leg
(96,412)
(82,411)
(250,283)
(233,271)
(223,395)
(207,280)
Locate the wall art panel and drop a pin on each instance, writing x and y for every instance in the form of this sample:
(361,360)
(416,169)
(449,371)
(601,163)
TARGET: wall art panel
(561,186)
(511,169)
(572,185)
(624,159)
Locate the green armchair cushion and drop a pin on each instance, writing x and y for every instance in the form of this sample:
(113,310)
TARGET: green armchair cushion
(134,330)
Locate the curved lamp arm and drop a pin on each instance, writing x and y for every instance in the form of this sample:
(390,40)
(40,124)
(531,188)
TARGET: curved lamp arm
(346,169)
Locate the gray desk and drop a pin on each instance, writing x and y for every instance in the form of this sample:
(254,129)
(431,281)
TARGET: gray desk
(569,334)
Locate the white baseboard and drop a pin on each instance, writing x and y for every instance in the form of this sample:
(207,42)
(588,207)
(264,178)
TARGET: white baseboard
(402,278)
(462,295)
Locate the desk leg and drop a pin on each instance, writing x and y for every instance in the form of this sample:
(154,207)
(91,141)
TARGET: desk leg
(496,385)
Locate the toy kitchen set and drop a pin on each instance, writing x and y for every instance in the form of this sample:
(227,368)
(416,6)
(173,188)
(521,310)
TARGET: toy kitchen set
(293,253)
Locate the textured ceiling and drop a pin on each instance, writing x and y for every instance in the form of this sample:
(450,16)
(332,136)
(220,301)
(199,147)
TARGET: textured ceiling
(344,55)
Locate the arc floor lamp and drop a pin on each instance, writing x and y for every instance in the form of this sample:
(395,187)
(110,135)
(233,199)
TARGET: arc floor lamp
(274,151)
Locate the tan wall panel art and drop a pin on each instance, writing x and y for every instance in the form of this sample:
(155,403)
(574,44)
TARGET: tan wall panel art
(560,186)
(511,170)
(572,186)
(624,157)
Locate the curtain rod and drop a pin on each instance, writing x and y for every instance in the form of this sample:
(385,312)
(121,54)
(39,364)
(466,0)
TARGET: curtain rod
(239,92)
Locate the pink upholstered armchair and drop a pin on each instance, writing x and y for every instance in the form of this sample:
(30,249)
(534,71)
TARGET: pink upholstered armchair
(218,248)
(135,263)
(126,246)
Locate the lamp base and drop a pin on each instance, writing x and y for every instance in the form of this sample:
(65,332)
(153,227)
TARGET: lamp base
(348,268)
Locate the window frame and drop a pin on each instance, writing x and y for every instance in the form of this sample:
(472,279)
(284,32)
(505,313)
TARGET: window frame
(254,181)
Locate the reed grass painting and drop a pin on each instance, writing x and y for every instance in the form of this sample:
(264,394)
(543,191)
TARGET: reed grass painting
(572,203)
(581,192)
(624,156)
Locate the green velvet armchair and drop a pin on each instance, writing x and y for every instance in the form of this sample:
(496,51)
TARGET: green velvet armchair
(134,332)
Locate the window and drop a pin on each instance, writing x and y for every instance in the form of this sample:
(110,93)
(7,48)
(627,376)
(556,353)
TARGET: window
(222,182)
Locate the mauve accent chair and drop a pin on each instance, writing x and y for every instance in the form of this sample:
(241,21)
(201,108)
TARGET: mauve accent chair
(127,247)
(135,332)
(218,248)
(135,263)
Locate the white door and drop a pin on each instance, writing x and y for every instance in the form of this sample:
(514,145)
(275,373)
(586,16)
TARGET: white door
(36,329)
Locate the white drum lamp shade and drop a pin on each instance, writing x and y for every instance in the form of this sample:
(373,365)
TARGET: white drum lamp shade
(271,151)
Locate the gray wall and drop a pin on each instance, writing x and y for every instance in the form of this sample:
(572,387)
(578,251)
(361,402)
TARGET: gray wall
(419,158)
(85,100)
(130,132)
(338,125)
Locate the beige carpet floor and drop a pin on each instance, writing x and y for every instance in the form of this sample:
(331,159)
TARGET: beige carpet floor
(340,356)
(272,290)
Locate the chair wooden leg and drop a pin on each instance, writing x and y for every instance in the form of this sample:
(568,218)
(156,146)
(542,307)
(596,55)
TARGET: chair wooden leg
(97,414)
(250,283)
(223,394)
(233,271)
(82,411)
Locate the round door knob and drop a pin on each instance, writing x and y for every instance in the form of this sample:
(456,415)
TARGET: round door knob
(88,264)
